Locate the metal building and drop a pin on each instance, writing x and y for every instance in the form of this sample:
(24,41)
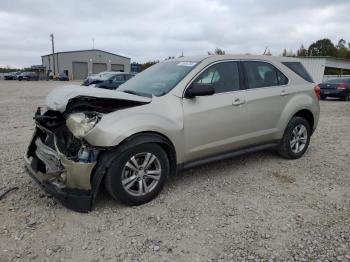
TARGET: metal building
(77,65)
(316,65)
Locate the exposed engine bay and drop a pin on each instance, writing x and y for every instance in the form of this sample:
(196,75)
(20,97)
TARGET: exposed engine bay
(58,157)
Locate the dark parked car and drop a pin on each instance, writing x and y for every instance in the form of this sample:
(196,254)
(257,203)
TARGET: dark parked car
(62,77)
(98,78)
(11,76)
(114,81)
(338,87)
(28,76)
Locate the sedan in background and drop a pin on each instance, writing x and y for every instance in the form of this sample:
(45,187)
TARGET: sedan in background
(338,87)
(115,81)
(28,76)
(12,75)
(98,78)
(62,77)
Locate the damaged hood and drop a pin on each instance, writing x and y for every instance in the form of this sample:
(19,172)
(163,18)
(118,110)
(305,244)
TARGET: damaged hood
(58,98)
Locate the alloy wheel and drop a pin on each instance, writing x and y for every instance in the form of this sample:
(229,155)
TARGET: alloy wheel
(141,174)
(298,138)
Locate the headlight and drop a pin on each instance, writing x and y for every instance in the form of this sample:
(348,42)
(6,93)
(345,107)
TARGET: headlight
(80,124)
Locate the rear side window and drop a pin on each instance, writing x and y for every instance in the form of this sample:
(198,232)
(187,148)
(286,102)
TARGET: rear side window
(261,74)
(299,69)
(223,76)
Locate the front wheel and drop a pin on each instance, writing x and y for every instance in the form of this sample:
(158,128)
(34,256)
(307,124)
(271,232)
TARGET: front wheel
(296,138)
(137,174)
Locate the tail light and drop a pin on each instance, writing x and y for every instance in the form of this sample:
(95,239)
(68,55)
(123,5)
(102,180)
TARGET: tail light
(318,91)
(341,86)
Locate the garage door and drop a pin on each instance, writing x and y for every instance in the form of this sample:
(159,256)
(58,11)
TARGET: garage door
(117,67)
(98,68)
(80,70)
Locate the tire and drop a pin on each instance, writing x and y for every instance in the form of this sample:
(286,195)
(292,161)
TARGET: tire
(346,98)
(286,149)
(120,171)
(323,97)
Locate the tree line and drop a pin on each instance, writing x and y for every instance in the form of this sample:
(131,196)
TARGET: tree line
(322,47)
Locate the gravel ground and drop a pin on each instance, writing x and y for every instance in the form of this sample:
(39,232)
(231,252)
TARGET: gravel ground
(257,207)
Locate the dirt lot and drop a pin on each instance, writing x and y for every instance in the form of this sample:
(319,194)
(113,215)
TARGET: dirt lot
(257,207)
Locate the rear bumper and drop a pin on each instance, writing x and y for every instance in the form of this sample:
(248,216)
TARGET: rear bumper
(334,93)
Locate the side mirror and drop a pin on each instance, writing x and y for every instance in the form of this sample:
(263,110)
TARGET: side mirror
(198,89)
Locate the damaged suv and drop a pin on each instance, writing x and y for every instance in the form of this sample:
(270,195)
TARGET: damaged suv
(175,115)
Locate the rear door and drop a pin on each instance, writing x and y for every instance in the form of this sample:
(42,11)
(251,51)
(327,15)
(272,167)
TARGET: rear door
(216,123)
(267,95)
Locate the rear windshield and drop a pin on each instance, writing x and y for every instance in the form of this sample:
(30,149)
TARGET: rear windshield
(299,69)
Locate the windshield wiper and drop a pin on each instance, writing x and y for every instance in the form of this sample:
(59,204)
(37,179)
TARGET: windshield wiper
(136,93)
(130,92)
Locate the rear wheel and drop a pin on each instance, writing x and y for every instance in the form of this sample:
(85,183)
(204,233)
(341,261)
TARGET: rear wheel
(323,97)
(296,138)
(137,174)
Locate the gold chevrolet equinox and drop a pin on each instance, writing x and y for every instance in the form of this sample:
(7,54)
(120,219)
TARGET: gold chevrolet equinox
(176,115)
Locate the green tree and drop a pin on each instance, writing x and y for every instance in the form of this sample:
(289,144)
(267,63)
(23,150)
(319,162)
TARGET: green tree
(217,51)
(146,65)
(342,50)
(284,52)
(302,51)
(322,47)
(341,43)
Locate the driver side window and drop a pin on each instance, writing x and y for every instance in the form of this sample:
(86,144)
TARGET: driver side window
(223,76)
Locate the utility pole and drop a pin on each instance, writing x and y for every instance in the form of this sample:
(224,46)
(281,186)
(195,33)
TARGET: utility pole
(53,52)
(93,43)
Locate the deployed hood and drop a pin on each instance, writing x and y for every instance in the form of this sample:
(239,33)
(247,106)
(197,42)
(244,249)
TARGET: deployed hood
(60,97)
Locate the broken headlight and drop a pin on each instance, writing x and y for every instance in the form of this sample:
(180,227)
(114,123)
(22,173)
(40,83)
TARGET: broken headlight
(80,124)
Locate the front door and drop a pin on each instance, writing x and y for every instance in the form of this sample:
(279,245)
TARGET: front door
(216,123)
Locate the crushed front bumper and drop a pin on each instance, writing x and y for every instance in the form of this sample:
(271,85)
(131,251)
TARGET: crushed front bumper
(66,179)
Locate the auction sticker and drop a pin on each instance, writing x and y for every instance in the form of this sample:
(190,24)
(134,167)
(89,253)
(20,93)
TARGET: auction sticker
(187,64)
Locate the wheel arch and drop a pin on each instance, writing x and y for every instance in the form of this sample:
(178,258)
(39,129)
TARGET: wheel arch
(105,160)
(158,138)
(308,115)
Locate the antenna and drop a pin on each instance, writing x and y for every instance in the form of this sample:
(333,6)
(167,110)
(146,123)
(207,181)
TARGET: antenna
(265,51)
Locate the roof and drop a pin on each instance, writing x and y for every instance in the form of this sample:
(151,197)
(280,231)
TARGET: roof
(87,50)
(226,56)
(251,57)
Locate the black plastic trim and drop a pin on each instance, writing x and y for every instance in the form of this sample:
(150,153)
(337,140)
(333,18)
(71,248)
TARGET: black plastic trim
(77,200)
(226,155)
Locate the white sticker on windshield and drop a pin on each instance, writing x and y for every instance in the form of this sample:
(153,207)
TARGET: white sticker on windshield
(186,64)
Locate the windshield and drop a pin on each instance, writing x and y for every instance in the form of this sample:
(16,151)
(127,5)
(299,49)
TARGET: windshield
(105,76)
(157,80)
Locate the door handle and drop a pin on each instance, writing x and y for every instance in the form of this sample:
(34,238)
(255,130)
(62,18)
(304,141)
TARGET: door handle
(238,102)
(284,93)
